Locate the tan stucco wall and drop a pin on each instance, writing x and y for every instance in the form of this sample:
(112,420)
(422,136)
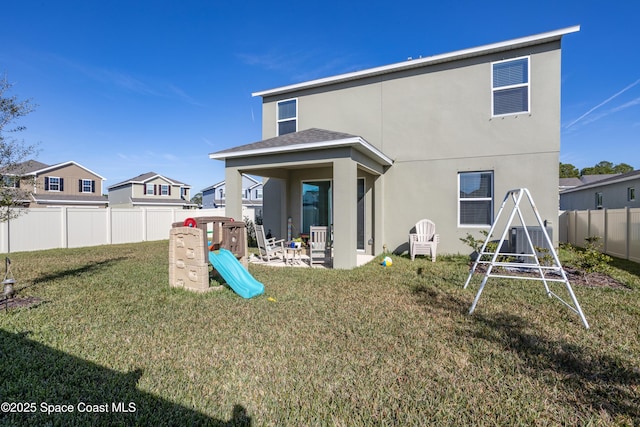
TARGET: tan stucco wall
(436,122)
(71,174)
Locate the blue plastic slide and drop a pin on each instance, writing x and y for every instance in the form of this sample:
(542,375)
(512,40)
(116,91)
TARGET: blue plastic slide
(236,276)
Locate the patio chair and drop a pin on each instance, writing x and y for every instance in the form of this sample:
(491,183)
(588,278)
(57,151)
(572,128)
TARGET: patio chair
(319,250)
(268,248)
(425,240)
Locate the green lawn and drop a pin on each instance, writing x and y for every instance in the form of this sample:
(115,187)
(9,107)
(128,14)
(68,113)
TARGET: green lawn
(370,346)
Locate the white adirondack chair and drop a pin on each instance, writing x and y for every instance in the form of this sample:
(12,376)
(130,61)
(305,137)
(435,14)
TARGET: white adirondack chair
(269,248)
(319,250)
(425,240)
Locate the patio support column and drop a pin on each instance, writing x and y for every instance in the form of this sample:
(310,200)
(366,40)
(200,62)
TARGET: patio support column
(378,215)
(233,193)
(345,175)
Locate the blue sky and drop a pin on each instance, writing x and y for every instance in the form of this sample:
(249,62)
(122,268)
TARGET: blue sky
(128,87)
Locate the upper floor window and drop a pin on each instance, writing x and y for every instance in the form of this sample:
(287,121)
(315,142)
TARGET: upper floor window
(221,193)
(87,186)
(258,193)
(510,86)
(599,200)
(165,190)
(53,183)
(287,116)
(475,198)
(631,194)
(11,181)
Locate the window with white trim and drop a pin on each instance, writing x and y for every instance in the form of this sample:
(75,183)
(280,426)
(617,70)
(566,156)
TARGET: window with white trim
(11,181)
(86,186)
(287,116)
(599,200)
(475,198)
(53,183)
(164,190)
(149,189)
(258,193)
(510,86)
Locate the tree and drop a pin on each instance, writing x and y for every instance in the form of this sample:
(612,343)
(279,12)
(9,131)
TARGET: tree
(567,170)
(622,168)
(15,187)
(197,199)
(605,167)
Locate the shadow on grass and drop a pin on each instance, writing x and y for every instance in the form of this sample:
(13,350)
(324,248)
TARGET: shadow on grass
(626,265)
(85,269)
(36,378)
(593,378)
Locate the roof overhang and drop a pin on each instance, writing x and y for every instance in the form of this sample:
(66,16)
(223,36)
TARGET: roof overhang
(356,142)
(426,61)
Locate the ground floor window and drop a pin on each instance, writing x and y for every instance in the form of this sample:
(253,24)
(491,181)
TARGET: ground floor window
(475,198)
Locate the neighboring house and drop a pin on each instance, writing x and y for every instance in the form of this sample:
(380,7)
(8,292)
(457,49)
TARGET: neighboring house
(62,184)
(616,191)
(444,137)
(215,195)
(150,190)
(567,183)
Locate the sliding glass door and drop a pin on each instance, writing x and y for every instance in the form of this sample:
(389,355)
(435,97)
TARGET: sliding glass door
(317,204)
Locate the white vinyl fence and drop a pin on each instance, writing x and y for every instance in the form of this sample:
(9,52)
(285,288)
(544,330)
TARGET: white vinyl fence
(72,227)
(618,230)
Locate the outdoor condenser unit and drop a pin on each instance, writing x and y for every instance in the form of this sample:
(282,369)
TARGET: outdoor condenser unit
(518,239)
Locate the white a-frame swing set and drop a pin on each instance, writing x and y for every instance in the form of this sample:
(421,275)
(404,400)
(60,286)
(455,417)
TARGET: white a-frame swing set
(530,261)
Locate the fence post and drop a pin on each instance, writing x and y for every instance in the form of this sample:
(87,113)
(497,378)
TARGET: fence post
(108,224)
(606,230)
(64,228)
(627,239)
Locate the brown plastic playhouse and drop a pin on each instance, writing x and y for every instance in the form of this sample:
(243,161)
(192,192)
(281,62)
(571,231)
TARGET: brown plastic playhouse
(189,245)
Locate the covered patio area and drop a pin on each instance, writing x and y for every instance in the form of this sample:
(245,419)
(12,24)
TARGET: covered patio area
(315,177)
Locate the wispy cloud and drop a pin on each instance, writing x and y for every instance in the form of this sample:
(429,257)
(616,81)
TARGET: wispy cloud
(300,65)
(126,81)
(179,93)
(603,103)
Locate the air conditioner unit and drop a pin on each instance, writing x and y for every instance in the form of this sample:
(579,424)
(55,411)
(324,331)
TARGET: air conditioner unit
(520,245)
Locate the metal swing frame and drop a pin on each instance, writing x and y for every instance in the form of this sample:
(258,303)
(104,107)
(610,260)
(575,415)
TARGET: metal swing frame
(530,260)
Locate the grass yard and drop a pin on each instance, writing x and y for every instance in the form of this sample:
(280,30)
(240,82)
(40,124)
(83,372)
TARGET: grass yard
(370,346)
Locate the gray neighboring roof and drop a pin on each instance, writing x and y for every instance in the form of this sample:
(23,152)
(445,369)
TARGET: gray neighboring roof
(142,178)
(303,140)
(570,182)
(65,198)
(609,179)
(60,165)
(590,179)
(427,61)
(31,166)
(163,202)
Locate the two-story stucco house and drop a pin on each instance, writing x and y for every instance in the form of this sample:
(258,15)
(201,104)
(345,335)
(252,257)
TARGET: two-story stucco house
(612,192)
(150,190)
(215,195)
(443,137)
(62,184)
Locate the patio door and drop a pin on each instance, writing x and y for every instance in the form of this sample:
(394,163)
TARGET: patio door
(317,204)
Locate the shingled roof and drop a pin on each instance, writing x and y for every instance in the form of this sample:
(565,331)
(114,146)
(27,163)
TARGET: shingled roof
(308,139)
